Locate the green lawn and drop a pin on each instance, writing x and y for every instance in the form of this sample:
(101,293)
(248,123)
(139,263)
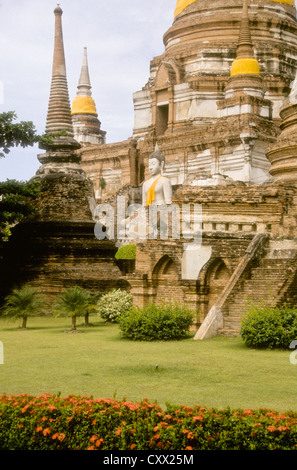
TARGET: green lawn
(97,362)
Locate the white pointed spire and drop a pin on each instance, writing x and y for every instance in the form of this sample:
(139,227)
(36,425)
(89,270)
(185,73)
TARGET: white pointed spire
(84,84)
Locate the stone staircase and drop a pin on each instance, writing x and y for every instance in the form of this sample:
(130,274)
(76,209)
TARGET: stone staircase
(269,280)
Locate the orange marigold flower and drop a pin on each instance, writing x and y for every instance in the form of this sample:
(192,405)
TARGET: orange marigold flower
(160,445)
(94,422)
(283,428)
(271,428)
(118,431)
(132,446)
(190,435)
(156,437)
(197,418)
(257,424)
(51,407)
(54,436)
(99,442)
(189,448)
(93,438)
(20,426)
(39,429)
(46,431)
(91,448)
(44,418)
(69,419)
(156,428)
(133,431)
(163,424)
(185,431)
(61,437)
(167,417)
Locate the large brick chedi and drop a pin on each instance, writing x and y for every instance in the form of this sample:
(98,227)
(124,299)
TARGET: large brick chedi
(56,248)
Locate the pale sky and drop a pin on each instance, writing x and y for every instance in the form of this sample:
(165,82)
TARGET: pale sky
(121,36)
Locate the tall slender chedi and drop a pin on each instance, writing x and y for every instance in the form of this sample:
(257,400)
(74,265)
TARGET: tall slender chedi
(67,192)
(56,247)
(58,116)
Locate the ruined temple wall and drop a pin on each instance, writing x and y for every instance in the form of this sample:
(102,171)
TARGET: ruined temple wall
(231,217)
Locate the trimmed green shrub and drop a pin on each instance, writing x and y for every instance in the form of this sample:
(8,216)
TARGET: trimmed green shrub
(264,327)
(113,304)
(156,322)
(126,252)
(50,422)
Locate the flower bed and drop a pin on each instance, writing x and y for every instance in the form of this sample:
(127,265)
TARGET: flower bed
(50,422)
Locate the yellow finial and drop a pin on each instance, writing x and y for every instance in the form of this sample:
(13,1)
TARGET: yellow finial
(288,2)
(245,63)
(83,103)
(181,5)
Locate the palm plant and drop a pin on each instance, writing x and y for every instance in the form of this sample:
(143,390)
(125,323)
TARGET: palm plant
(73,302)
(23,303)
(91,306)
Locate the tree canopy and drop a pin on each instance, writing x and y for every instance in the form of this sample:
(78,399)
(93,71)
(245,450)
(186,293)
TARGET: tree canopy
(13,134)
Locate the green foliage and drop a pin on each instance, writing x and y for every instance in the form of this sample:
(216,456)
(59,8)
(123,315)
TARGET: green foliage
(49,422)
(264,327)
(15,134)
(46,140)
(126,252)
(16,201)
(23,303)
(114,304)
(102,183)
(74,302)
(156,322)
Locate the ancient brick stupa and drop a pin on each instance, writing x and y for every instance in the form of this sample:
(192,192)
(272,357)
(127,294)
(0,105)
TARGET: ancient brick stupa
(56,248)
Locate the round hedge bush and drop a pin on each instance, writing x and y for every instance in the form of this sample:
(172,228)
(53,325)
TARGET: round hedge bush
(263,327)
(156,322)
(126,252)
(113,304)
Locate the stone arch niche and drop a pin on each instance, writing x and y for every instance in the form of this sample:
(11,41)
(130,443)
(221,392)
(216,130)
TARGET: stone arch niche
(213,278)
(168,74)
(166,281)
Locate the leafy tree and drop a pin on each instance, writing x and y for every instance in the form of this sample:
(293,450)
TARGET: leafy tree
(74,302)
(14,134)
(16,197)
(16,201)
(23,303)
(91,306)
